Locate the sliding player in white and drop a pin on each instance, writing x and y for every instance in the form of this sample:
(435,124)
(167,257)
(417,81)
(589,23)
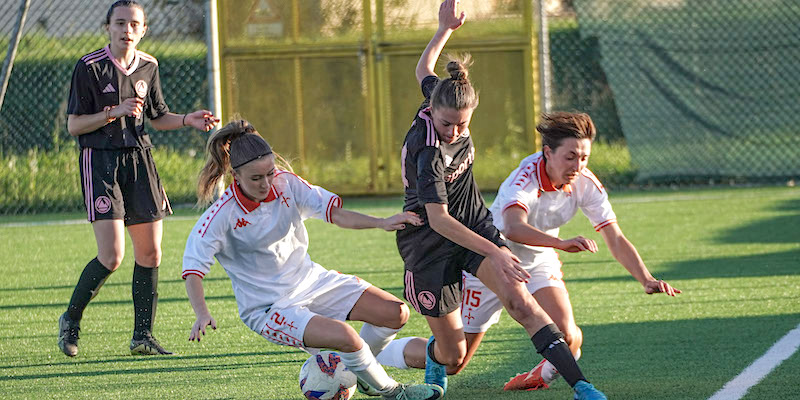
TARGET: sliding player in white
(256,231)
(540,196)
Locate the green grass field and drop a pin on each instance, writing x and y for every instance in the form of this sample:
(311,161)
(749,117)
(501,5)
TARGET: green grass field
(735,253)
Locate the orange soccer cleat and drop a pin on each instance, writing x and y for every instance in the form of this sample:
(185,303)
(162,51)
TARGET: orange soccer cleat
(529,380)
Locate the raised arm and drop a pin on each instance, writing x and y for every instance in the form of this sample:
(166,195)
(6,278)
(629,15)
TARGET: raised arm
(449,21)
(624,251)
(355,220)
(197,298)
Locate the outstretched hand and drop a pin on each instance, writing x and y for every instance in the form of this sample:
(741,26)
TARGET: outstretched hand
(449,17)
(203,120)
(659,286)
(578,244)
(199,327)
(397,222)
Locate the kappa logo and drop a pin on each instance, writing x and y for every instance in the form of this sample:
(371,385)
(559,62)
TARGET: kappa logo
(241,223)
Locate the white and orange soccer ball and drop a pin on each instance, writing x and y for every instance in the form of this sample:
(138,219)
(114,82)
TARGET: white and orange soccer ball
(324,377)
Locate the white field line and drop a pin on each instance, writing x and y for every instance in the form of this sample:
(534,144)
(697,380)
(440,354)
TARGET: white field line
(78,221)
(755,372)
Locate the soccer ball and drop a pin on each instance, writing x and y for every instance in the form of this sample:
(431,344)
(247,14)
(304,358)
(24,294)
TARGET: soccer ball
(324,377)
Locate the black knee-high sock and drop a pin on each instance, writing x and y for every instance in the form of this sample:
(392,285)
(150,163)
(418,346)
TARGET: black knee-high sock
(92,278)
(145,298)
(549,342)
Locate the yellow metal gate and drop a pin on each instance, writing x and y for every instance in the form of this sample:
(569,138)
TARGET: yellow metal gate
(331,85)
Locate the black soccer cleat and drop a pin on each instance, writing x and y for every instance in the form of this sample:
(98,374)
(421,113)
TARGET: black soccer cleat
(68,335)
(146,344)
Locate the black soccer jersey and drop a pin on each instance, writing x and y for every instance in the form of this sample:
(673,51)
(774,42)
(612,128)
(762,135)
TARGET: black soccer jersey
(100,82)
(436,172)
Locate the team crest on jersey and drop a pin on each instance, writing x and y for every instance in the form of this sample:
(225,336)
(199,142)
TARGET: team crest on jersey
(141,88)
(427,299)
(102,204)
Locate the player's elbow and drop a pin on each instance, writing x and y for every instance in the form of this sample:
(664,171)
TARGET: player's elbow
(513,232)
(72,127)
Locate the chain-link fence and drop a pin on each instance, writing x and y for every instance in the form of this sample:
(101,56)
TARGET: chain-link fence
(704,90)
(681,90)
(38,158)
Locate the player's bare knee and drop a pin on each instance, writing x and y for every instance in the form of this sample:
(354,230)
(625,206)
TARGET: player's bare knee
(399,317)
(111,261)
(150,259)
(452,359)
(519,308)
(350,341)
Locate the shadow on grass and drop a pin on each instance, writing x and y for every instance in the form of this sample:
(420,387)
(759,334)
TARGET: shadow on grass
(140,359)
(780,229)
(687,359)
(96,303)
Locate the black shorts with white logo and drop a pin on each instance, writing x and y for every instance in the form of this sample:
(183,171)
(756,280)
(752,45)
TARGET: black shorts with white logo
(433,266)
(122,184)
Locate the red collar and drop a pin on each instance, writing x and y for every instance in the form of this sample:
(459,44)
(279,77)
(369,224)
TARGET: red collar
(546,183)
(249,205)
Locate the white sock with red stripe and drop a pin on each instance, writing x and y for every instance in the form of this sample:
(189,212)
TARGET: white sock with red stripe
(377,337)
(366,368)
(392,355)
(550,373)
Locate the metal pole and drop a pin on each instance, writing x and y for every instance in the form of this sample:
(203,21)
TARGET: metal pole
(544,58)
(8,64)
(212,62)
(212,66)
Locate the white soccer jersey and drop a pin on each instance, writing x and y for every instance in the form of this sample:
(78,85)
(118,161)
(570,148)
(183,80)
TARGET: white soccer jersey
(263,247)
(549,208)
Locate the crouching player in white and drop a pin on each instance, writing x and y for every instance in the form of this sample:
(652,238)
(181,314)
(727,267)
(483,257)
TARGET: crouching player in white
(256,232)
(540,196)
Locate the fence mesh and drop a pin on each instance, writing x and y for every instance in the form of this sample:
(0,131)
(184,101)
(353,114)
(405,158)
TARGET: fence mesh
(39,170)
(680,90)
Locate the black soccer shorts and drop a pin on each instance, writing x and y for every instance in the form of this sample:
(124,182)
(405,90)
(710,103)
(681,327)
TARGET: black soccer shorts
(433,266)
(122,184)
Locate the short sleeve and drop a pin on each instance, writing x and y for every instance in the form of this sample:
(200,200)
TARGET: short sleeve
(430,176)
(157,105)
(428,84)
(80,92)
(203,244)
(312,201)
(520,189)
(595,205)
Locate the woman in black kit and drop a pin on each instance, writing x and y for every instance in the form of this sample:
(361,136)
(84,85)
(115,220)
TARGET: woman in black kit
(112,90)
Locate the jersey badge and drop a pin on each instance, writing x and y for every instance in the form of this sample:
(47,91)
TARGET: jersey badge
(241,223)
(284,199)
(141,88)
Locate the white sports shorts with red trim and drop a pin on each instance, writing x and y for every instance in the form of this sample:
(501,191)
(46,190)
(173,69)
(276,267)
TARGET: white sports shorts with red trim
(480,307)
(332,296)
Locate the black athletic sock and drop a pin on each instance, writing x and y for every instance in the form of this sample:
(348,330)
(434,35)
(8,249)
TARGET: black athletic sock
(145,299)
(430,351)
(92,278)
(549,342)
